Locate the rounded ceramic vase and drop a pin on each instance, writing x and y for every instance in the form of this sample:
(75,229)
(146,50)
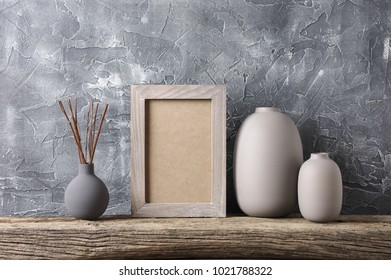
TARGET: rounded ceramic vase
(267,158)
(86,196)
(320,189)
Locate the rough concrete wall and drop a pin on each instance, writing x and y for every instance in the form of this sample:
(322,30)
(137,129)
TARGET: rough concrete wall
(324,63)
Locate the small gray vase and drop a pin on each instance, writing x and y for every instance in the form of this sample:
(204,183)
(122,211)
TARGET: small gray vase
(320,189)
(86,196)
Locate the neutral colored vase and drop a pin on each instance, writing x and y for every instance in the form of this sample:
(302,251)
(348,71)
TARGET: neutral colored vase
(320,189)
(268,155)
(86,196)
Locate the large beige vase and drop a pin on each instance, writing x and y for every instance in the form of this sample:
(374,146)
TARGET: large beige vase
(320,189)
(268,155)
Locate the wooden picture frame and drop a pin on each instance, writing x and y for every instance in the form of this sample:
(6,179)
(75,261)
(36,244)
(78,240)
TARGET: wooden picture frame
(178,151)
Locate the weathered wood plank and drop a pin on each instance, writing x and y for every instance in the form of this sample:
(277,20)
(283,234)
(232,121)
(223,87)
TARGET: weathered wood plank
(352,237)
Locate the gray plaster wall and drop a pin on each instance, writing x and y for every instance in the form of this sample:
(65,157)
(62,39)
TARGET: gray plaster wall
(324,63)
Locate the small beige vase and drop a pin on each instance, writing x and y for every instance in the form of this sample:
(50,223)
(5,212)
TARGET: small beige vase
(268,155)
(320,189)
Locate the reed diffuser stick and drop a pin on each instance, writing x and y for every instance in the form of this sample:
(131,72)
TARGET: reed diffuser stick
(76,113)
(91,137)
(70,125)
(87,129)
(77,126)
(99,130)
(93,126)
(90,133)
(77,134)
(91,140)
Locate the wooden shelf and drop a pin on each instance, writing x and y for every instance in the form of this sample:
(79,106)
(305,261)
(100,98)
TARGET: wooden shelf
(352,237)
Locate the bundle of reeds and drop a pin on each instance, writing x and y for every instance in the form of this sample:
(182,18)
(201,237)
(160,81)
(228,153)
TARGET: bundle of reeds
(92,136)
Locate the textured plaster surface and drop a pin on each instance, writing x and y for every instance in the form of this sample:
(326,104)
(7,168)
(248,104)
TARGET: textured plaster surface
(324,63)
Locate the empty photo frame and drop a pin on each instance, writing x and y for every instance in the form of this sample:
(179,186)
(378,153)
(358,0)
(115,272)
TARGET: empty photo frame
(178,151)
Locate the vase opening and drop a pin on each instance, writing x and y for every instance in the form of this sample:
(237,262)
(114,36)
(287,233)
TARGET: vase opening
(320,155)
(267,109)
(86,168)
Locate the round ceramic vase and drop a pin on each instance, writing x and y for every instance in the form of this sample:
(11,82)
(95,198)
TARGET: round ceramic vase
(86,196)
(320,189)
(267,158)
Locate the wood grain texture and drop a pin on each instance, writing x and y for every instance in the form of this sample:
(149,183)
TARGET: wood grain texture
(352,237)
(217,95)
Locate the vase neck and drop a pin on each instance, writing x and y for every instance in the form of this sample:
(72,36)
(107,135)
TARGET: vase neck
(86,168)
(267,109)
(320,156)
